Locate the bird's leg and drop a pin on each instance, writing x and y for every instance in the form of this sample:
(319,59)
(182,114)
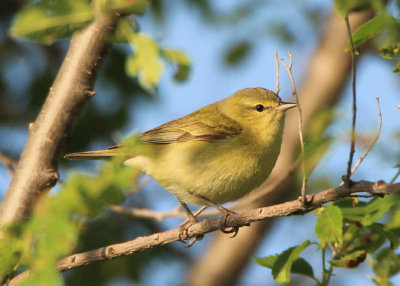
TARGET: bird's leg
(191,219)
(225,213)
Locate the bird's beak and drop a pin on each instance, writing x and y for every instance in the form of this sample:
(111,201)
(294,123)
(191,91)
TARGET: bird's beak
(285,106)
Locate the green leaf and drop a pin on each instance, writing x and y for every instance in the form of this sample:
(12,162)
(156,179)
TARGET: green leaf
(351,260)
(237,52)
(390,51)
(328,227)
(388,234)
(386,263)
(125,6)
(369,29)
(376,208)
(344,7)
(366,213)
(47,20)
(146,63)
(283,264)
(181,61)
(299,266)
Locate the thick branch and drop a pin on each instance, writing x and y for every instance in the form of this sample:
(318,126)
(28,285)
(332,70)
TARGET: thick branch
(73,87)
(295,207)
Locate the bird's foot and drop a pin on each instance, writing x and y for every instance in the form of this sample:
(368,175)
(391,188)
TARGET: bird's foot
(183,232)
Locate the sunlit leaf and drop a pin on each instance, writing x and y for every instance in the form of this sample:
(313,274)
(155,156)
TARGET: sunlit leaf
(47,20)
(328,227)
(125,6)
(181,61)
(370,28)
(146,63)
(376,208)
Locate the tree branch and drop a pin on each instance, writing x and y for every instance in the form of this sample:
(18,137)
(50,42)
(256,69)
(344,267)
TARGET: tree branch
(37,172)
(379,188)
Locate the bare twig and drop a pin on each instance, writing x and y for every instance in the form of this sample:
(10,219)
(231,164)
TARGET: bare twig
(147,213)
(205,226)
(9,162)
(371,145)
(353,85)
(303,168)
(277,89)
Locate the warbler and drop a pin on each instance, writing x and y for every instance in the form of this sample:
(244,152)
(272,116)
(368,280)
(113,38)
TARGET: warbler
(214,155)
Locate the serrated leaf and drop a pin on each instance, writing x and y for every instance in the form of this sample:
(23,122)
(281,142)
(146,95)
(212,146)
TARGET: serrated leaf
(47,20)
(351,260)
(328,227)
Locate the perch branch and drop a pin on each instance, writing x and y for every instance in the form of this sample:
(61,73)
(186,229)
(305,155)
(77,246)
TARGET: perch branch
(379,188)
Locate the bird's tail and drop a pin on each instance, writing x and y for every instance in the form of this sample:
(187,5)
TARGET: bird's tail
(95,155)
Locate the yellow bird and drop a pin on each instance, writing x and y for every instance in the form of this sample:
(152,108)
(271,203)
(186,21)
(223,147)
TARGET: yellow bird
(214,155)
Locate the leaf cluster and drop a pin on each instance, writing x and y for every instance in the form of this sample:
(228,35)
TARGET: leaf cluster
(351,230)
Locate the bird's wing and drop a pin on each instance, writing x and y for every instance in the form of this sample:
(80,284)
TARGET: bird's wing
(198,126)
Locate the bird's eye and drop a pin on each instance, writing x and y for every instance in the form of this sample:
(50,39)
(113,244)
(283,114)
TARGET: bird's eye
(260,107)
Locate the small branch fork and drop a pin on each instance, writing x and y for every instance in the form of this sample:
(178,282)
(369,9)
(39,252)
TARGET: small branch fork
(288,69)
(294,207)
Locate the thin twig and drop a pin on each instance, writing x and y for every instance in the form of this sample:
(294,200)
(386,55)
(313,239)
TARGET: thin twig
(353,85)
(277,89)
(9,162)
(303,168)
(147,213)
(371,145)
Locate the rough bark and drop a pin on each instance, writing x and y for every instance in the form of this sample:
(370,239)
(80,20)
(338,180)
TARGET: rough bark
(327,74)
(37,170)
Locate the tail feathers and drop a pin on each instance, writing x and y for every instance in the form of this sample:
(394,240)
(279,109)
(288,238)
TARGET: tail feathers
(94,155)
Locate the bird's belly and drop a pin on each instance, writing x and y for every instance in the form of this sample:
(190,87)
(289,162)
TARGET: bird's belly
(219,175)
